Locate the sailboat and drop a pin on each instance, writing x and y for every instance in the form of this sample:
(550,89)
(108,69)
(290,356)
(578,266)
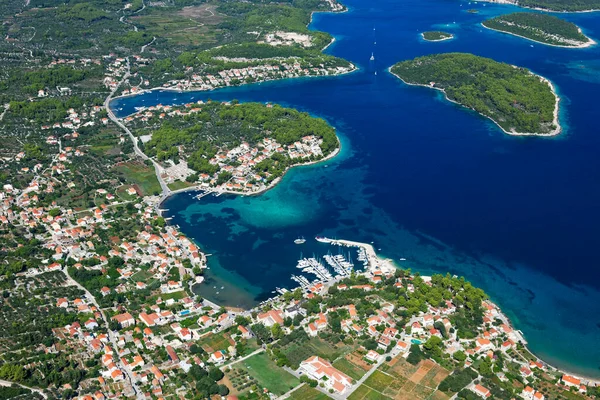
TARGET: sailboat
(372,57)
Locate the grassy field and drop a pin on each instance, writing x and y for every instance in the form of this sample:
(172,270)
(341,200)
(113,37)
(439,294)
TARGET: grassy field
(269,375)
(349,369)
(141,276)
(140,174)
(175,295)
(308,393)
(179,185)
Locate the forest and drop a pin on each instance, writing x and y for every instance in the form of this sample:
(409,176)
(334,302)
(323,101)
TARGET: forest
(513,97)
(542,28)
(436,35)
(562,5)
(219,126)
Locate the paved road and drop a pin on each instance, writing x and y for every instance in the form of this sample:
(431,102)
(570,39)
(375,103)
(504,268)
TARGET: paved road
(165,189)
(288,394)
(255,352)
(8,383)
(111,337)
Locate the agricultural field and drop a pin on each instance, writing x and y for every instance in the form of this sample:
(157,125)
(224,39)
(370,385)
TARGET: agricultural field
(268,375)
(303,348)
(141,175)
(415,381)
(215,342)
(190,27)
(366,393)
(307,393)
(352,370)
(403,381)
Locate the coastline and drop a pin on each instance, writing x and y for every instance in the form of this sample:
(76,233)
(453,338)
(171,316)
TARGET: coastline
(353,68)
(269,186)
(548,10)
(589,43)
(554,121)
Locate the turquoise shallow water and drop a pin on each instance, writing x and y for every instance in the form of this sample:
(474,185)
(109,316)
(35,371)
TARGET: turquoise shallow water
(426,180)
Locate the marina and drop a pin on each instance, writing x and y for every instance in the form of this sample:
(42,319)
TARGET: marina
(329,268)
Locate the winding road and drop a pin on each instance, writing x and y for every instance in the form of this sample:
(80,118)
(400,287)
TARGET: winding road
(165,189)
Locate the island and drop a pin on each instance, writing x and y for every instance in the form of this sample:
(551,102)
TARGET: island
(473,11)
(555,5)
(541,28)
(515,99)
(230,146)
(436,36)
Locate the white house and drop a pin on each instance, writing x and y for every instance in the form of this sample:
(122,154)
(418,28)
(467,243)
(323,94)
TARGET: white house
(318,369)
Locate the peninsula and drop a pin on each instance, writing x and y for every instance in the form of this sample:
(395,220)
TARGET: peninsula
(554,5)
(518,101)
(436,36)
(541,28)
(230,147)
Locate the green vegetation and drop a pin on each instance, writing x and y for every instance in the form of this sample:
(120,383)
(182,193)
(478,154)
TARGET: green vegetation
(538,27)
(514,98)
(221,127)
(562,5)
(269,375)
(308,393)
(458,380)
(349,369)
(436,36)
(141,175)
(374,387)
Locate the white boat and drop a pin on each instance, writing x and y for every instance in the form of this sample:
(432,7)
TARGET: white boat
(372,57)
(323,239)
(300,240)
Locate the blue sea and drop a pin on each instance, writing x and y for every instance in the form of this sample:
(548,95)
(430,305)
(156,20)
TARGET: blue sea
(427,180)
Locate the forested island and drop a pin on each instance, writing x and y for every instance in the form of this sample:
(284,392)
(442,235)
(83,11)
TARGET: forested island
(555,5)
(436,36)
(230,146)
(518,101)
(541,28)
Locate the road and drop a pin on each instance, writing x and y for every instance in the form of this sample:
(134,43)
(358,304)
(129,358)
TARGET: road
(255,352)
(165,189)
(111,336)
(288,394)
(8,383)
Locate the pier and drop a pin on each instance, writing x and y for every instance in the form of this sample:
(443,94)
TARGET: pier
(373,261)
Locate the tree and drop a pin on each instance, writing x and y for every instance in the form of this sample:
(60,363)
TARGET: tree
(276,331)
(215,374)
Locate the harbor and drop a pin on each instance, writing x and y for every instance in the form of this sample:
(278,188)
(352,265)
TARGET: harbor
(331,268)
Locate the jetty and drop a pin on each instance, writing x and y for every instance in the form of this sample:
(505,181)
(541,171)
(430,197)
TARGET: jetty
(373,262)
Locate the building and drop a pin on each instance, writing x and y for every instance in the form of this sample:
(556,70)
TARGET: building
(270,318)
(322,371)
(125,319)
(481,391)
(570,381)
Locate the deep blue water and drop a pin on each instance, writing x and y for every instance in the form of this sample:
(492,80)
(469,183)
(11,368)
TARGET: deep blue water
(427,180)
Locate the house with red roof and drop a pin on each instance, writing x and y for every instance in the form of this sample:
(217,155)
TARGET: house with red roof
(322,371)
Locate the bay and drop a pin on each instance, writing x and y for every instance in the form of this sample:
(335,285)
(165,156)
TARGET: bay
(426,180)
